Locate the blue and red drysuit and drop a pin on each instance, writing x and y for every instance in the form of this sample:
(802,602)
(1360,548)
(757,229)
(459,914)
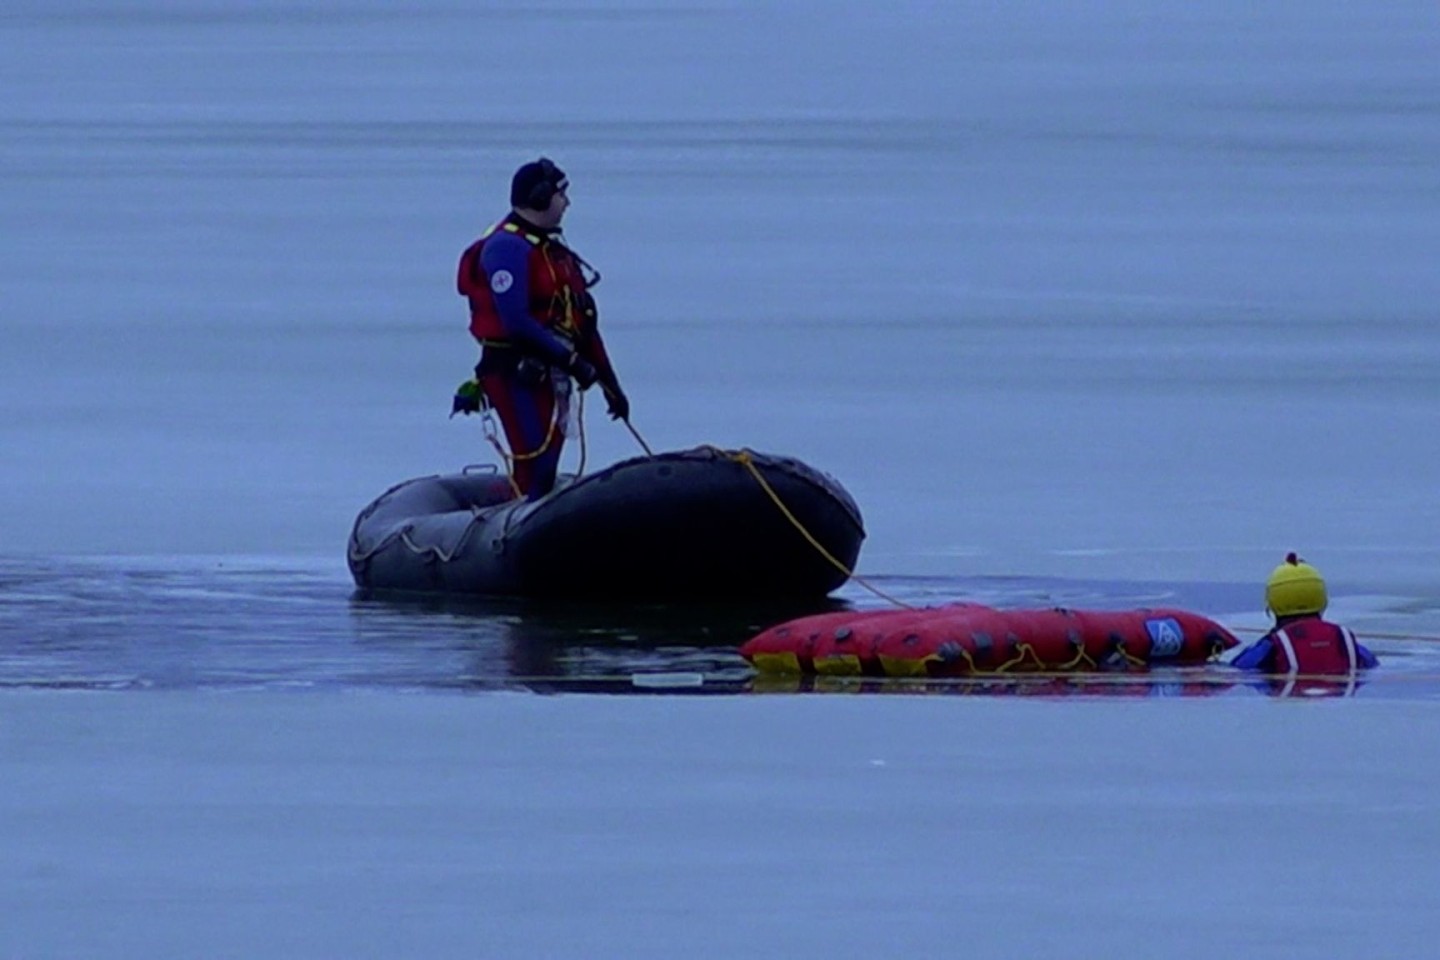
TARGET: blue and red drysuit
(533,315)
(1308,651)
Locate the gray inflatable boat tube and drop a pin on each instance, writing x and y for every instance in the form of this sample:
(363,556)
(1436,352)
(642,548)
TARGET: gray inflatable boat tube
(687,525)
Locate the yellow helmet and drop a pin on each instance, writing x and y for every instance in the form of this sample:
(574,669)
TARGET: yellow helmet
(1295,588)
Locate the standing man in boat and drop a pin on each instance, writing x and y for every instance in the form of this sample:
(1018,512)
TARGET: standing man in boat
(1302,644)
(532,312)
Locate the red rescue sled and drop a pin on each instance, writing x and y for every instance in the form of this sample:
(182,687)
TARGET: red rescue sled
(968,639)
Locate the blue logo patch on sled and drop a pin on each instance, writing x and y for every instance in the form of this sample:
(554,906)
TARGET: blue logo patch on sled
(1166,637)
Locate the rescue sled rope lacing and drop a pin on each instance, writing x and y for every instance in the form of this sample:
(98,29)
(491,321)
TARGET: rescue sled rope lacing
(746,459)
(1023,652)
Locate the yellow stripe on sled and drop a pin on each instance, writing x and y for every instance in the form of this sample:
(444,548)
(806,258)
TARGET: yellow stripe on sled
(904,666)
(785,662)
(840,665)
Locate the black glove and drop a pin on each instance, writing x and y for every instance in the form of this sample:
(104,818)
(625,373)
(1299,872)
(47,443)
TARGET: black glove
(583,371)
(617,403)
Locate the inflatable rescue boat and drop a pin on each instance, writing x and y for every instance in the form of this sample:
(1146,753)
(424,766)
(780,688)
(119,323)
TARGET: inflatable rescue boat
(688,525)
(967,639)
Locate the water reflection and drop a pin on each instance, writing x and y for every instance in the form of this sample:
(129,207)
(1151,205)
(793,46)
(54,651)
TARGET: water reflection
(168,623)
(688,649)
(1304,688)
(1207,681)
(574,646)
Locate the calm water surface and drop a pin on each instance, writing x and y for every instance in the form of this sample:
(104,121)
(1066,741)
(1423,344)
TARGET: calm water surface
(111,623)
(1083,307)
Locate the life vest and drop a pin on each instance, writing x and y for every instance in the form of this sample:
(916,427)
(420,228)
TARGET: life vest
(559,296)
(1314,647)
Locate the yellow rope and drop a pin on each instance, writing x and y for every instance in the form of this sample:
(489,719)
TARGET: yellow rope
(1130,658)
(510,458)
(1007,664)
(1080,657)
(1024,650)
(493,436)
(964,652)
(747,460)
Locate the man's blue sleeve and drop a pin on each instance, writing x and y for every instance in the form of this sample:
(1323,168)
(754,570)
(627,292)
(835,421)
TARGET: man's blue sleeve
(1365,658)
(506,259)
(1258,656)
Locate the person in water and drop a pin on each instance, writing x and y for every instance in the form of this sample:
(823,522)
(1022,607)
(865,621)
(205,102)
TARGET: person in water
(532,312)
(1302,643)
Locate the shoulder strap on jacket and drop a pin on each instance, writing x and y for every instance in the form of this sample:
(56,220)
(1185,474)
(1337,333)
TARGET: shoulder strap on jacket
(515,228)
(1351,654)
(1293,666)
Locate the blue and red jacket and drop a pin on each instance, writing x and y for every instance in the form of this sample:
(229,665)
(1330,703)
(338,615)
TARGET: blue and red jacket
(1307,646)
(528,290)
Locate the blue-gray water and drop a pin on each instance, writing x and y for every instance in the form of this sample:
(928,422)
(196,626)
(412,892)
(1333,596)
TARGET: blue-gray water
(239,623)
(1087,302)
(1075,299)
